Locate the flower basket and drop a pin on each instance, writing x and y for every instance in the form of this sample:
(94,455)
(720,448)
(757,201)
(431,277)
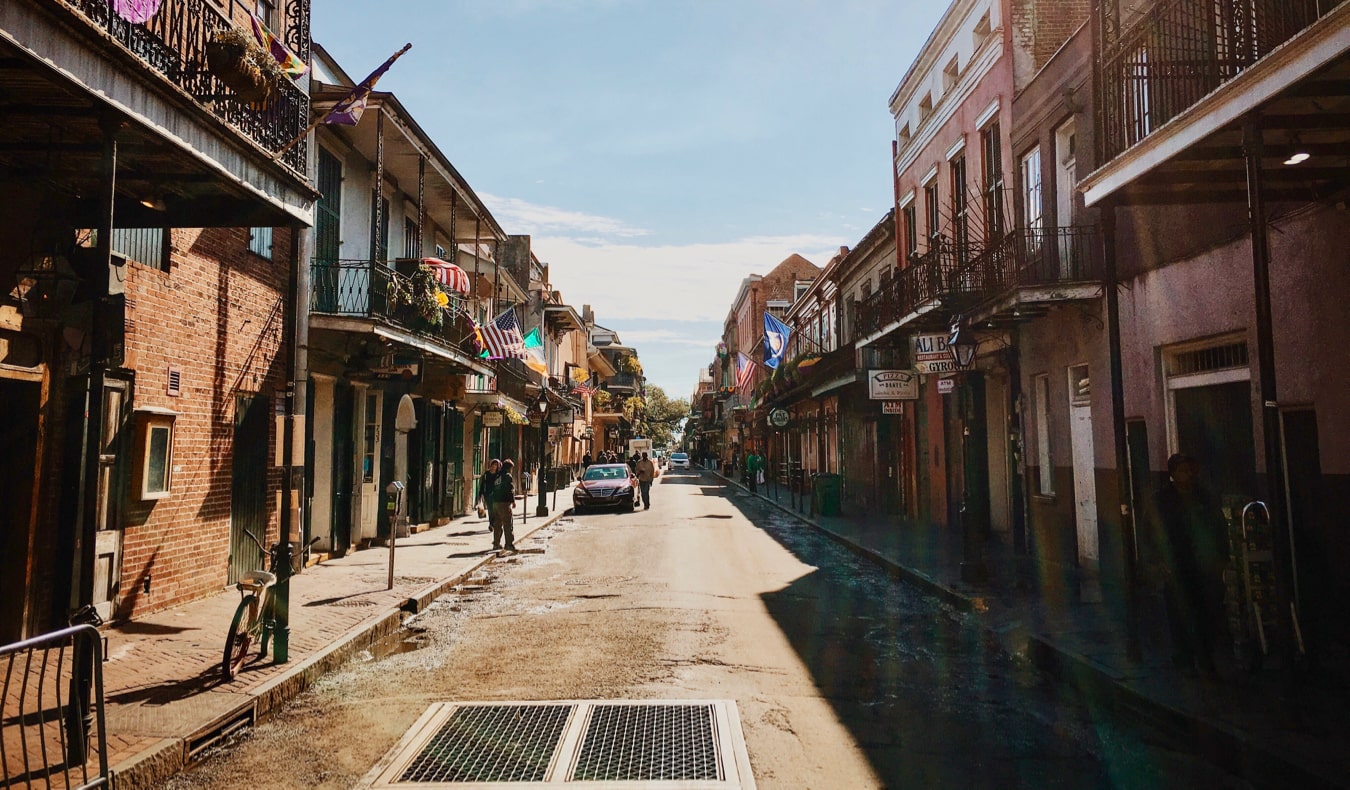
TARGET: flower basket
(245,68)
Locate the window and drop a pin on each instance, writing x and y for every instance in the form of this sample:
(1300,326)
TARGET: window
(950,74)
(148,246)
(1031,190)
(911,232)
(991,149)
(933,212)
(902,134)
(1044,461)
(328,209)
(260,242)
(799,290)
(411,247)
(982,31)
(156,467)
(925,106)
(960,216)
(267,12)
(441,253)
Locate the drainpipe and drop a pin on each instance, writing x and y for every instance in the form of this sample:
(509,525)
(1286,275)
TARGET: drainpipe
(1128,537)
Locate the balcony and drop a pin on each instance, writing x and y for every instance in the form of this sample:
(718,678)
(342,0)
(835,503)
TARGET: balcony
(622,383)
(371,293)
(1177,52)
(942,274)
(172,45)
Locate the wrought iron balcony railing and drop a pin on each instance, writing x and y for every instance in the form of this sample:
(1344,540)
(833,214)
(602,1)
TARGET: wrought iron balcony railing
(173,43)
(943,271)
(1176,52)
(375,290)
(622,381)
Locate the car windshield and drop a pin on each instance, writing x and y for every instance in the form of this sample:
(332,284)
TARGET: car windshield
(678,456)
(611,472)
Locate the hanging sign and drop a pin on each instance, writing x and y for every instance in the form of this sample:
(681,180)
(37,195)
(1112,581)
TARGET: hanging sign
(892,385)
(778,418)
(946,386)
(931,355)
(492,419)
(892,407)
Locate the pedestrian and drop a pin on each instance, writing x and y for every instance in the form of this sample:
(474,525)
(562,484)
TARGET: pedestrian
(585,461)
(646,473)
(1192,540)
(503,502)
(754,466)
(484,500)
(633,462)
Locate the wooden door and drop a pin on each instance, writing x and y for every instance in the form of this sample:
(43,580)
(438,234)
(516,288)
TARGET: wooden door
(248,483)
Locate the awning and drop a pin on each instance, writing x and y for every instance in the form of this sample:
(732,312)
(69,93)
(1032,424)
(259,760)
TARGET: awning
(449,275)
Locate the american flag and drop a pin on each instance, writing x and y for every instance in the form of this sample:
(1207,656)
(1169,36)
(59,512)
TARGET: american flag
(582,388)
(503,338)
(745,368)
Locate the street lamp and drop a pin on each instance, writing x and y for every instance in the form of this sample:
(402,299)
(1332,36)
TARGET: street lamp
(963,344)
(541,412)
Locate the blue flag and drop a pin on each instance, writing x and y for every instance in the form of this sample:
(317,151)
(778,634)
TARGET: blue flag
(776,334)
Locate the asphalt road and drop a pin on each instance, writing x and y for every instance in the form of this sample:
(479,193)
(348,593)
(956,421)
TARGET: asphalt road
(844,677)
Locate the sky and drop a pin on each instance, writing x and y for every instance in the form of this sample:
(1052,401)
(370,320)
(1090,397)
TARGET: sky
(657,152)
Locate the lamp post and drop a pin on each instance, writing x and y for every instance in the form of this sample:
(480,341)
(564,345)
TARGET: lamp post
(963,344)
(541,410)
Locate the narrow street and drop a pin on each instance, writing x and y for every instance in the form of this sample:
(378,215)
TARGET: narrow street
(843,677)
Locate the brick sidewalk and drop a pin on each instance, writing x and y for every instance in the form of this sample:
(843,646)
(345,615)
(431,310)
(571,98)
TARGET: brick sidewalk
(164,698)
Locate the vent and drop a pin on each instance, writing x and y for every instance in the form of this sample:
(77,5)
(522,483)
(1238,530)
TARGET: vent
(525,744)
(1206,360)
(175,387)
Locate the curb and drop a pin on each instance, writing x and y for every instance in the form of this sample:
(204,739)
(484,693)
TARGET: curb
(170,756)
(1213,742)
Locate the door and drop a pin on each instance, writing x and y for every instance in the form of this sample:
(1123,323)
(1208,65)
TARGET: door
(1000,462)
(344,466)
(367,434)
(321,429)
(111,495)
(478,461)
(328,286)
(248,485)
(454,462)
(1066,178)
(1214,426)
(19,436)
(1320,590)
(1084,465)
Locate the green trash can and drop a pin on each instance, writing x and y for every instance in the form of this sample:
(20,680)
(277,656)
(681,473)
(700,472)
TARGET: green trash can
(827,493)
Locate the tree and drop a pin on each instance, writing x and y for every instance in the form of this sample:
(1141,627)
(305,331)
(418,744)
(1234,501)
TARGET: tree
(661,418)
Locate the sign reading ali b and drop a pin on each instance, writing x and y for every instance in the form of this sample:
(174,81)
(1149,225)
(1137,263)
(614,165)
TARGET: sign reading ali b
(892,385)
(931,355)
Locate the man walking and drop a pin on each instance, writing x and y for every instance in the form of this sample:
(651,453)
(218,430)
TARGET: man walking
(646,473)
(503,502)
(753,465)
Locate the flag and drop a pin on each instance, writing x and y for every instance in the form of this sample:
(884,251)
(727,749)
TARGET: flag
(534,361)
(348,111)
(290,63)
(582,388)
(502,337)
(745,366)
(532,339)
(776,334)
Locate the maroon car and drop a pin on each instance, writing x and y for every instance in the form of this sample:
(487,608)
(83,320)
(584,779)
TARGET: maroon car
(605,485)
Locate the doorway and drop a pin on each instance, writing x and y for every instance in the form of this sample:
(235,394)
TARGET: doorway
(1084,466)
(321,429)
(366,434)
(19,435)
(248,485)
(110,498)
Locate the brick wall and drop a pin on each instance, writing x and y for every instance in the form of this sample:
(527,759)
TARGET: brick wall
(1040,28)
(218,316)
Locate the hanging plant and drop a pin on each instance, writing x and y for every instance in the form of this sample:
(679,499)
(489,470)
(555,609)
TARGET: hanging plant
(420,292)
(600,400)
(252,72)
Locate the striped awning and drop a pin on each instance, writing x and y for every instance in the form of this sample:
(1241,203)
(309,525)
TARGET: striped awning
(449,275)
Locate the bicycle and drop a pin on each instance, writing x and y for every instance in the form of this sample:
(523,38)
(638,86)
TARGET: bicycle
(255,618)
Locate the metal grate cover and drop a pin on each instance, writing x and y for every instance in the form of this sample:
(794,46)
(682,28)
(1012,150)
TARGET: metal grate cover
(497,743)
(612,744)
(648,743)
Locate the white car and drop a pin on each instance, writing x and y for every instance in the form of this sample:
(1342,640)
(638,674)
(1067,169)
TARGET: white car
(679,460)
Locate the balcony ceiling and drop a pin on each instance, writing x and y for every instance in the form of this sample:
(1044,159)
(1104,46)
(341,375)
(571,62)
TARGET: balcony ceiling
(1311,116)
(51,138)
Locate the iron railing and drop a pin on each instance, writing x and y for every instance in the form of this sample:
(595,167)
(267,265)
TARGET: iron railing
(373,289)
(51,719)
(621,381)
(1176,52)
(173,43)
(943,271)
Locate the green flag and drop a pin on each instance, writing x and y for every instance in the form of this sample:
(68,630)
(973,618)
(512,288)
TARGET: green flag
(532,340)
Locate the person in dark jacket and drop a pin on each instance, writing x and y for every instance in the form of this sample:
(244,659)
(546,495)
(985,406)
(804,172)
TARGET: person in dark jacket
(1192,539)
(503,502)
(485,486)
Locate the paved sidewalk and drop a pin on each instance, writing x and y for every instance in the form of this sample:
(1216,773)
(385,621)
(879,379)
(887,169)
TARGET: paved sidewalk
(164,699)
(1253,725)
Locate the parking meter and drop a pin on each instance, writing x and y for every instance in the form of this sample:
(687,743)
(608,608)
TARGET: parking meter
(395,507)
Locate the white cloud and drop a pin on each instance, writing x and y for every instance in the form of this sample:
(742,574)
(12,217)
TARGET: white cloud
(595,260)
(668,337)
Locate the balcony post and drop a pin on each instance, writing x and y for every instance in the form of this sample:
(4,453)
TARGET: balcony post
(1128,536)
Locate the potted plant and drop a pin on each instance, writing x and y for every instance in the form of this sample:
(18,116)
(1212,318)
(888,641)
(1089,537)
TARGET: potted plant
(237,60)
(421,293)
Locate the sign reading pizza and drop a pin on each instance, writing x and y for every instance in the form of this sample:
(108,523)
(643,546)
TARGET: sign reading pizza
(892,385)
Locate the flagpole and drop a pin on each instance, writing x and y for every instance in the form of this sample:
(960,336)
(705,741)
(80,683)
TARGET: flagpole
(319,121)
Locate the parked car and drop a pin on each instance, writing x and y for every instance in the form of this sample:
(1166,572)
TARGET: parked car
(679,460)
(605,486)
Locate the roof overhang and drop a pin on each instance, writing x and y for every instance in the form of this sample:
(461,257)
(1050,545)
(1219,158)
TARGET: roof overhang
(1299,96)
(366,326)
(564,318)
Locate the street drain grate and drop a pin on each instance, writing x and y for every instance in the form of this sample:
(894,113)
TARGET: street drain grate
(621,743)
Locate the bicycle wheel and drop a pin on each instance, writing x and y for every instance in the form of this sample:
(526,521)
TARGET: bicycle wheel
(239,638)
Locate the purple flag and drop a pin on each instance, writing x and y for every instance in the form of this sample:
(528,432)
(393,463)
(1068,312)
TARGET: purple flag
(348,111)
(137,12)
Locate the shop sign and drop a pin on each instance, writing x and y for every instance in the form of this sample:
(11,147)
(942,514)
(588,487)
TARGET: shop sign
(946,386)
(492,419)
(892,407)
(931,355)
(778,418)
(892,385)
